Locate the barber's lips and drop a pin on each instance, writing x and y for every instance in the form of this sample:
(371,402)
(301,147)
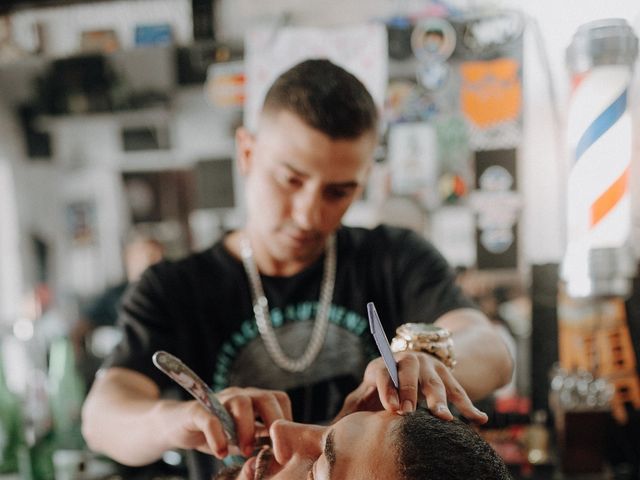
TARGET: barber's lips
(299,238)
(302,239)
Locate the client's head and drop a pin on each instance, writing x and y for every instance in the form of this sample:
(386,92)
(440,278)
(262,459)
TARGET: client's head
(375,446)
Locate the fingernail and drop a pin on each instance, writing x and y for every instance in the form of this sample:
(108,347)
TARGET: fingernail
(395,400)
(407,406)
(442,408)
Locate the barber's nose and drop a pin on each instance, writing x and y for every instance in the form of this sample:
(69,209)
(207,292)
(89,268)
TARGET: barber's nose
(290,439)
(307,210)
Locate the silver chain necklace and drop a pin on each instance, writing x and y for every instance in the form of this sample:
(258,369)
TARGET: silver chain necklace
(263,318)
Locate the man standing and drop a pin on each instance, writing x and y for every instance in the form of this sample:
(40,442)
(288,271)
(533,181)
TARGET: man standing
(280,304)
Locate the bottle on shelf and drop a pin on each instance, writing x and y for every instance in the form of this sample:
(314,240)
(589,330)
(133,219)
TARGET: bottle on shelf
(67,393)
(537,439)
(11,437)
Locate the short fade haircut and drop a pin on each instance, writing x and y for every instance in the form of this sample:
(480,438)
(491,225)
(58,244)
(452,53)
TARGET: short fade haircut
(429,447)
(326,97)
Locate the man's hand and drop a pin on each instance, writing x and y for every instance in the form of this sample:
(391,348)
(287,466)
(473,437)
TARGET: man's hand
(253,411)
(420,375)
(125,418)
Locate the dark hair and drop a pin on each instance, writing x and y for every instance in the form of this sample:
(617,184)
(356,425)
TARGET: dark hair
(429,447)
(326,97)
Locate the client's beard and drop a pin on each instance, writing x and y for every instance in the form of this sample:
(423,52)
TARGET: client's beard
(229,473)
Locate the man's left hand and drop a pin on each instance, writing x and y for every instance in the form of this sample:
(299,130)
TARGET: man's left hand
(420,375)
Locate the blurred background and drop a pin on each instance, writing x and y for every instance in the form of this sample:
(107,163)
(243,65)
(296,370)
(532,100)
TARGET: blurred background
(117,123)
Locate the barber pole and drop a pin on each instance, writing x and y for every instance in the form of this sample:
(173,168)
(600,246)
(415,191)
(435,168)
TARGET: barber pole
(598,266)
(597,260)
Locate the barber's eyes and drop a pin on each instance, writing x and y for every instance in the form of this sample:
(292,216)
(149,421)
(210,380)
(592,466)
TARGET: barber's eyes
(289,180)
(336,193)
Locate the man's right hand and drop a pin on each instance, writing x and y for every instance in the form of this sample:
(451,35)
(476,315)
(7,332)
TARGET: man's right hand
(253,411)
(124,418)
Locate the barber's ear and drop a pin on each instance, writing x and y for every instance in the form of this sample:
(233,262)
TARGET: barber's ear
(363,184)
(244,149)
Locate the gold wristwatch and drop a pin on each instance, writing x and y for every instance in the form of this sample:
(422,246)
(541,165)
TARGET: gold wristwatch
(424,337)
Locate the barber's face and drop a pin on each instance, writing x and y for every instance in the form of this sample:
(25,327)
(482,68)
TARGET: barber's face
(358,447)
(299,183)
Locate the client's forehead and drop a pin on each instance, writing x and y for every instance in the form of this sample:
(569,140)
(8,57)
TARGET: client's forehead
(365,446)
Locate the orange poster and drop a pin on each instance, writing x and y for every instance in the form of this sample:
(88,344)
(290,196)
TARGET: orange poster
(491,91)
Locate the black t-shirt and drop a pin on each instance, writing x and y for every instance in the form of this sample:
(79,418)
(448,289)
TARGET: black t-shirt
(200,309)
(103,309)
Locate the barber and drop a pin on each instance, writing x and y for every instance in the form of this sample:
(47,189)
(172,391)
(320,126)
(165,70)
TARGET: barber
(280,304)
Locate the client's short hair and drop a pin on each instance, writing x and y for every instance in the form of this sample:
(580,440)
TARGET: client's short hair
(435,449)
(326,97)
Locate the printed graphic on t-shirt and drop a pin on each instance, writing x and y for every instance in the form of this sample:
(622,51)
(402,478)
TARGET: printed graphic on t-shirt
(244,361)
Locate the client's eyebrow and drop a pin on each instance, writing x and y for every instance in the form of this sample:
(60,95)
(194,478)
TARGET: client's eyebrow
(330,450)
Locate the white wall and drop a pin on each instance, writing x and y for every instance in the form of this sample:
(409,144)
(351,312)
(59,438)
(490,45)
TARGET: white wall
(10,271)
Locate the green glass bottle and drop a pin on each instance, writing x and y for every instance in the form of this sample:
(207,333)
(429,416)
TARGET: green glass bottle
(67,393)
(10,425)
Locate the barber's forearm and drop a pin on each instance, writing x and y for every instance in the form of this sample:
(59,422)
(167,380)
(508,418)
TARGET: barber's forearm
(484,362)
(123,419)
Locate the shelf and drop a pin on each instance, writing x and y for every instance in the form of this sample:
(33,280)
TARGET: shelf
(153,115)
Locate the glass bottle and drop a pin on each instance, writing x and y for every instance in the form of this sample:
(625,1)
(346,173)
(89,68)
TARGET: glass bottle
(67,393)
(10,425)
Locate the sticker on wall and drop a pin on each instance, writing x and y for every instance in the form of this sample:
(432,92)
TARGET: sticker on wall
(225,84)
(490,34)
(407,102)
(433,39)
(452,231)
(451,187)
(453,159)
(413,161)
(497,205)
(81,222)
(491,101)
(433,76)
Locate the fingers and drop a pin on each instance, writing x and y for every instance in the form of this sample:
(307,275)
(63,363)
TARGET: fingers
(439,386)
(434,390)
(246,405)
(418,374)
(458,396)
(408,377)
(386,389)
(210,427)
(269,408)
(241,409)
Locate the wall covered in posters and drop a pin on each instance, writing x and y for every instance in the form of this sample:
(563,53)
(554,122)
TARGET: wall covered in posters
(460,92)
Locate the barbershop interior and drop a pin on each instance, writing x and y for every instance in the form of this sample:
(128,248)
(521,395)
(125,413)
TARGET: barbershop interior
(119,152)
